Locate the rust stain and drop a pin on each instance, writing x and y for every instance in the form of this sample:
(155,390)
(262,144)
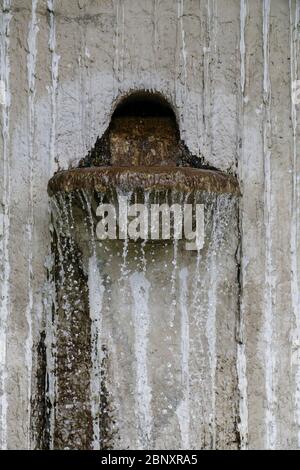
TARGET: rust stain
(143,141)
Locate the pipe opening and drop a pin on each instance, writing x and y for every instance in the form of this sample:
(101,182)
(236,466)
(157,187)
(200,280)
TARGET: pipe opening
(141,149)
(144,104)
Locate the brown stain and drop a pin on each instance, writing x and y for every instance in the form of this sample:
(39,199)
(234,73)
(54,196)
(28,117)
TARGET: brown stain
(149,141)
(40,405)
(73,420)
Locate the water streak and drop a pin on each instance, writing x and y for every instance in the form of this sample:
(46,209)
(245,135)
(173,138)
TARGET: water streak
(183,410)
(96,292)
(141,319)
(211,333)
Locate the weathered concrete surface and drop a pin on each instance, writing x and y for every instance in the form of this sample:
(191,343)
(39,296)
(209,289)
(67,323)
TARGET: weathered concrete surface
(227,67)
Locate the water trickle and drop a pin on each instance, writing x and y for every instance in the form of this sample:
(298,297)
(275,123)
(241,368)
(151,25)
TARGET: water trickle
(183,410)
(96,292)
(124,200)
(211,331)
(134,290)
(87,221)
(141,319)
(59,230)
(144,241)
(50,343)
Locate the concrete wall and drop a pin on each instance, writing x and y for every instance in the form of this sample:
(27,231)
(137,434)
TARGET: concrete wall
(227,67)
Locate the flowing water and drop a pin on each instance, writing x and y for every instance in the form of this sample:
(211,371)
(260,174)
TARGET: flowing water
(145,330)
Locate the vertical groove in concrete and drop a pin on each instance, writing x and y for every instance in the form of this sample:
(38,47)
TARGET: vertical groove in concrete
(31,73)
(268,332)
(50,314)
(54,81)
(207,55)
(281,177)
(241,347)
(5,209)
(252,184)
(181,83)
(294,6)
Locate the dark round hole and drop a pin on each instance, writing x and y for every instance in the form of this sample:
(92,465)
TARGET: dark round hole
(144,104)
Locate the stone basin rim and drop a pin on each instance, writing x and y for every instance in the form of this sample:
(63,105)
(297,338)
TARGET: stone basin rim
(102,179)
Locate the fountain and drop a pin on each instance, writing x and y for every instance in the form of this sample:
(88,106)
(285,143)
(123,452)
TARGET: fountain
(142,347)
